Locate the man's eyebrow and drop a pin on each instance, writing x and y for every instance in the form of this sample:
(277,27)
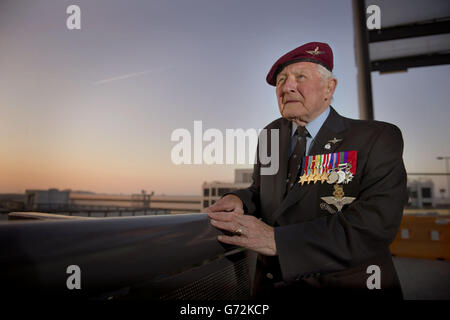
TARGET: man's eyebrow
(300,70)
(283,73)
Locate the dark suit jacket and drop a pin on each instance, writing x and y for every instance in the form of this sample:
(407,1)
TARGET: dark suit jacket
(319,249)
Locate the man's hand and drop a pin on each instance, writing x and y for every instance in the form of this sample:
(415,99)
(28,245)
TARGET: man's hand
(251,232)
(229,203)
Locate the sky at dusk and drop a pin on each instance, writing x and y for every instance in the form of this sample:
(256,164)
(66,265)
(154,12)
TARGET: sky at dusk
(94,109)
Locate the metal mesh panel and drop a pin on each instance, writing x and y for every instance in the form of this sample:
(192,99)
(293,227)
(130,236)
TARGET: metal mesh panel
(229,283)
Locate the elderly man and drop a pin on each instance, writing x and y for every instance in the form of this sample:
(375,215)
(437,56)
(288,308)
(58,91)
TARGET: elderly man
(328,216)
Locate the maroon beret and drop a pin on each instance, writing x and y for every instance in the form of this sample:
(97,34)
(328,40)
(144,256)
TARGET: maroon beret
(317,52)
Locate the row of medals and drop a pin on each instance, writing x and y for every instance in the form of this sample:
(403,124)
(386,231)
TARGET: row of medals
(341,174)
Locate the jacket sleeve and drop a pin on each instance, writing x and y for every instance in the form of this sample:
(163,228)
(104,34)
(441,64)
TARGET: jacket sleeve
(250,196)
(363,230)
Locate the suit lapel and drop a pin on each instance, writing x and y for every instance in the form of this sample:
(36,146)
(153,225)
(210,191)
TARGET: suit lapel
(324,137)
(333,127)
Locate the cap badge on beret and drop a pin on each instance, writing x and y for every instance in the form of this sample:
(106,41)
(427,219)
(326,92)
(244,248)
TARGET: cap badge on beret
(315,52)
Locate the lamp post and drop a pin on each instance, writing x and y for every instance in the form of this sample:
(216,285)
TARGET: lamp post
(446,170)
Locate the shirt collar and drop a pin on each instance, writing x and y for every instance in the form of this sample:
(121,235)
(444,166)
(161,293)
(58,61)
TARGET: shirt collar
(314,126)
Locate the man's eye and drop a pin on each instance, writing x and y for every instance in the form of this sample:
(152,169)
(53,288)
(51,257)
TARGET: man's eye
(300,76)
(280,80)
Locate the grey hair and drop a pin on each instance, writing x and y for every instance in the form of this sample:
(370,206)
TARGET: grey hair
(325,75)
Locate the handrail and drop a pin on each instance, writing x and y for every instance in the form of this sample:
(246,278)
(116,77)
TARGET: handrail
(41,216)
(112,253)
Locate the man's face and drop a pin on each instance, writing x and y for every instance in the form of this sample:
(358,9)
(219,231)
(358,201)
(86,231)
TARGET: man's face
(301,93)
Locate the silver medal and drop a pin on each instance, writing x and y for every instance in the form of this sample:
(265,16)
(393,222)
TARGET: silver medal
(341,176)
(333,177)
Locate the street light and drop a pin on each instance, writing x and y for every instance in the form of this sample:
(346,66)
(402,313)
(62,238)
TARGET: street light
(448,176)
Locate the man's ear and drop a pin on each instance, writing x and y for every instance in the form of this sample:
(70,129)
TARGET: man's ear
(331,86)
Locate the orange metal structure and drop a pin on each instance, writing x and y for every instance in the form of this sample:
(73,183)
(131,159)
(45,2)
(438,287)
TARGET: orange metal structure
(422,236)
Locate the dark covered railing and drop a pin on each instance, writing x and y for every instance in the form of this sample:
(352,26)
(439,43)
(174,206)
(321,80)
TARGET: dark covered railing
(154,257)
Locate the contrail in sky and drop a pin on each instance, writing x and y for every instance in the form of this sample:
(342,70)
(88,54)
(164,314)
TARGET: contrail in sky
(126,76)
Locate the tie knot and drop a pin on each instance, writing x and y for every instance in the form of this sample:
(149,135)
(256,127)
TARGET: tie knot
(301,132)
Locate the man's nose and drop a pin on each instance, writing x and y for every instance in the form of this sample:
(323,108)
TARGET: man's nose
(289,85)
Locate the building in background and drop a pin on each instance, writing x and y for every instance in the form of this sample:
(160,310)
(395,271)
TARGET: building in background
(160,203)
(11,202)
(42,200)
(212,191)
(54,200)
(421,194)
